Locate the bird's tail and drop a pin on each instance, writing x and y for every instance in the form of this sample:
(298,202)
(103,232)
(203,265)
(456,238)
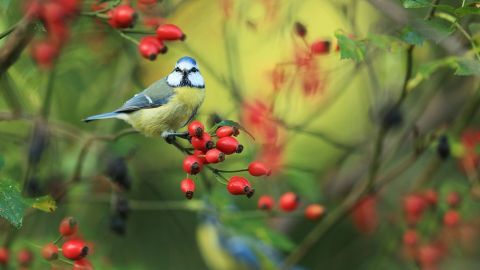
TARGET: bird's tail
(101,116)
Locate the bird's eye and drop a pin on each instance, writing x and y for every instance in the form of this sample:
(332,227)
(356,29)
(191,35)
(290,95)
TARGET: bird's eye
(177,69)
(194,70)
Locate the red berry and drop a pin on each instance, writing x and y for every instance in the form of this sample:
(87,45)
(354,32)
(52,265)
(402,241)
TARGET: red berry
(74,249)
(123,16)
(451,218)
(214,156)
(203,143)
(192,164)
(227,131)
(147,2)
(25,257)
(414,206)
(239,186)
(82,264)
(365,216)
(4,256)
(289,201)
(429,256)
(150,46)
(70,6)
(453,199)
(265,202)
(410,238)
(195,129)
(201,155)
(170,32)
(44,53)
(229,145)
(320,47)
(50,252)
(258,169)
(314,211)
(188,187)
(431,196)
(68,226)
(300,29)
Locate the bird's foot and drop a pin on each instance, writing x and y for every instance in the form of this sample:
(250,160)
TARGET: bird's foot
(170,136)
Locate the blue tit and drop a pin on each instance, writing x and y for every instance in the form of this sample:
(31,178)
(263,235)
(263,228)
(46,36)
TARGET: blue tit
(165,106)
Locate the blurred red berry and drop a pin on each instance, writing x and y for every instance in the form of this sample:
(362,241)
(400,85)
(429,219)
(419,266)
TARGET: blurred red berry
(364,215)
(265,202)
(314,211)
(289,201)
(240,186)
(451,218)
(192,164)
(74,249)
(453,199)
(147,2)
(320,47)
(50,252)
(410,238)
(68,226)
(196,128)
(123,16)
(44,53)
(414,206)
(25,257)
(82,264)
(257,168)
(227,131)
(4,256)
(148,50)
(229,145)
(203,143)
(431,196)
(170,32)
(429,256)
(214,156)
(188,187)
(300,29)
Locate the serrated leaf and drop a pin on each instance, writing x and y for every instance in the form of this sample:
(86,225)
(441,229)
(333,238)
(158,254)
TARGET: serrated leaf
(349,48)
(412,37)
(12,205)
(45,203)
(416,3)
(230,123)
(434,29)
(466,67)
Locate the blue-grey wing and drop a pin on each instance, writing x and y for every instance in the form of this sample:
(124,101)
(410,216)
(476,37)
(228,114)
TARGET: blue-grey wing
(154,96)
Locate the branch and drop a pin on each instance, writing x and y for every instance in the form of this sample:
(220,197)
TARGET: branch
(17,41)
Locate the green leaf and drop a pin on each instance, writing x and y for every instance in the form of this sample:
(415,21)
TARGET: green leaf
(45,203)
(12,205)
(230,123)
(466,67)
(467,11)
(412,37)
(349,48)
(416,3)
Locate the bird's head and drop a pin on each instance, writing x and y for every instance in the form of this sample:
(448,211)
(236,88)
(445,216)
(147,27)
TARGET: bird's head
(186,74)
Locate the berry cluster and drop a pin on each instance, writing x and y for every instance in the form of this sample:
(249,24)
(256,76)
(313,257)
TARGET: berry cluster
(213,148)
(125,16)
(429,251)
(55,16)
(73,247)
(24,257)
(289,202)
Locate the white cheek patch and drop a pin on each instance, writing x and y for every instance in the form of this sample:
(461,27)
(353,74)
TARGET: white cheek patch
(196,79)
(174,79)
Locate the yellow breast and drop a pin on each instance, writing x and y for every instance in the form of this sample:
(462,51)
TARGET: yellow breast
(171,116)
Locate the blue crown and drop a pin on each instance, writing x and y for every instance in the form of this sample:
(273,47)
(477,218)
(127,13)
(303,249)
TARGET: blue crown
(187,59)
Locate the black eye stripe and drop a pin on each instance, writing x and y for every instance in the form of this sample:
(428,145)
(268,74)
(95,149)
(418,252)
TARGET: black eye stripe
(193,70)
(177,69)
